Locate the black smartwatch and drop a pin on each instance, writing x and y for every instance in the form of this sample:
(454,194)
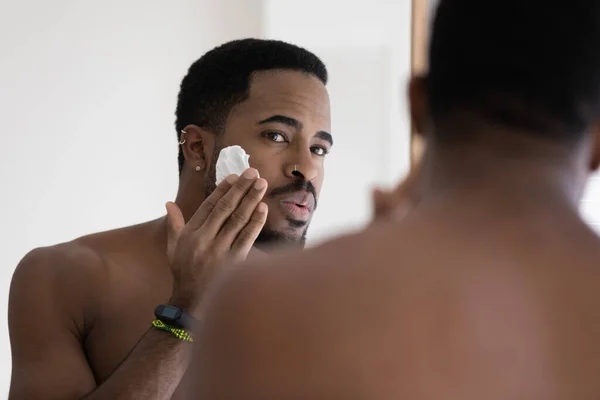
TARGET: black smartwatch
(174,316)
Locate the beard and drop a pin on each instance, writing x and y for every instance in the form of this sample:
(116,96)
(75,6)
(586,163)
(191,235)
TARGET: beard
(268,239)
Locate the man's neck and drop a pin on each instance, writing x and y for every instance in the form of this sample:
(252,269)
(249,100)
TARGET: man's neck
(190,196)
(503,170)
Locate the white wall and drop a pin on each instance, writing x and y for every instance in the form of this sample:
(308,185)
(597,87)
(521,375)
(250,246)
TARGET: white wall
(87,100)
(590,206)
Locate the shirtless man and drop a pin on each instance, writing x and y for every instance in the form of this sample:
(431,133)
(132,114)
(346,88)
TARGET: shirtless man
(488,288)
(80,313)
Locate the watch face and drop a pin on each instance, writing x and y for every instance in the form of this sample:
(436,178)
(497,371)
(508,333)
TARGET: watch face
(174,316)
(169,312)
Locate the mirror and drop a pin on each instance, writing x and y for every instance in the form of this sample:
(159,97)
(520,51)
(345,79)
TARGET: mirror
(88,100)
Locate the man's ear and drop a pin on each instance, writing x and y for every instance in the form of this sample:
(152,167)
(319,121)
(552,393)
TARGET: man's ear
(197,146)
(417,100)
(595,159)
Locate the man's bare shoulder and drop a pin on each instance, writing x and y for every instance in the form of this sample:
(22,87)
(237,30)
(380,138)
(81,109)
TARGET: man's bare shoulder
(55,286)
(123,239)
(296,309)
(82,253)
(87,253)
(378,300)
(307,285)
(75,266)
(71,265)
(345,256)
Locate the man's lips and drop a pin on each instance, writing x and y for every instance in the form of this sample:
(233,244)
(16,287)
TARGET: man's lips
(295,212)
(298,205)
(300,199)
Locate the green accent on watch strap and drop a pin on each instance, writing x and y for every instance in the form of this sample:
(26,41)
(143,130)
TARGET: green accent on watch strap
(178,332)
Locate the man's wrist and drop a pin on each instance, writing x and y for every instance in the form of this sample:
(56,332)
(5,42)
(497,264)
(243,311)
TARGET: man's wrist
(184,303)
(175,316)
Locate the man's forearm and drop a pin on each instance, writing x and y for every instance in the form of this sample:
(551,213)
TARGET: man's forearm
(152,370)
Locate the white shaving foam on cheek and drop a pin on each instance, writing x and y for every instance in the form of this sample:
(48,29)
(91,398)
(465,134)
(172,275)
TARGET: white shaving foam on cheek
(232,160)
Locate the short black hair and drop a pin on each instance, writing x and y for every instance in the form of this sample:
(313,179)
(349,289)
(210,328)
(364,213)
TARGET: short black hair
(220,79)
(533,65)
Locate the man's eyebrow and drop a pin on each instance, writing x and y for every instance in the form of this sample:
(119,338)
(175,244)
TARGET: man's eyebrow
(325,136)
(294,123)
(282,119)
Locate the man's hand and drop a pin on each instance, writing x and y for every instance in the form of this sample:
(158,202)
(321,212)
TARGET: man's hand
(224,227)
(395,204)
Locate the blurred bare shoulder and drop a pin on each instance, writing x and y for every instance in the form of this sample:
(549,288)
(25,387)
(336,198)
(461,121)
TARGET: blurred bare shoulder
(285,277)
(277,312)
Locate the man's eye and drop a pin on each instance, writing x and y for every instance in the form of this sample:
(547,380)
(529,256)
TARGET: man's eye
(320,151)
(274,136)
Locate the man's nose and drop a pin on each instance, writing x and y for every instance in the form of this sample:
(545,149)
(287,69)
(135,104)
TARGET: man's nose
(303,167)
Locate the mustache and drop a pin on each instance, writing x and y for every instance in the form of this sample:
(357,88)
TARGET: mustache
(294,187)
